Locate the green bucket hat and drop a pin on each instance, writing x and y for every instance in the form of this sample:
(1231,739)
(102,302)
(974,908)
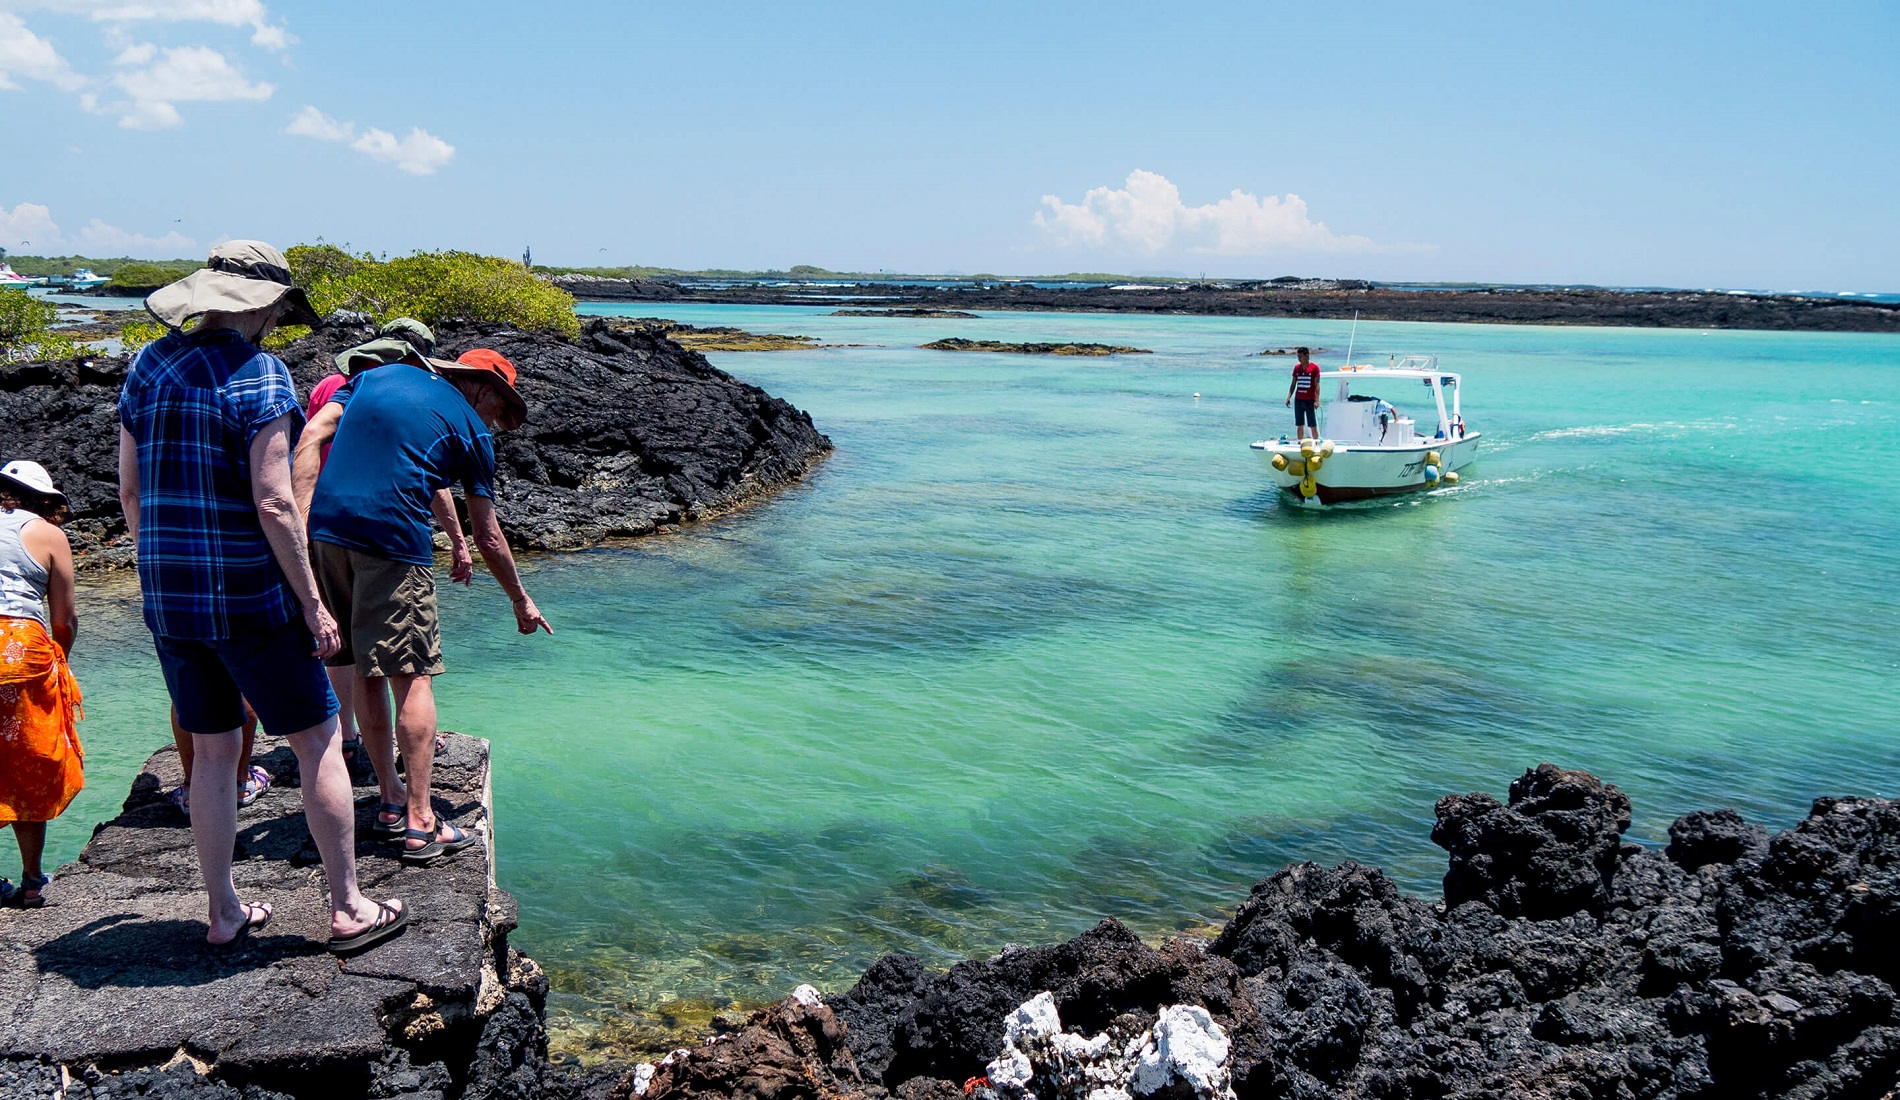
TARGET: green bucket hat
(404,339)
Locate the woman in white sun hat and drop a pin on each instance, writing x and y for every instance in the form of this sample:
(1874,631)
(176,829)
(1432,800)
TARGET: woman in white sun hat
(40,758)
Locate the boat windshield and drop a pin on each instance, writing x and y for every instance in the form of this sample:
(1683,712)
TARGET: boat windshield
(1397,405)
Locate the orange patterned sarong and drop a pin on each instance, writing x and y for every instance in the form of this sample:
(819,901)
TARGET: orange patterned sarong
(40,757)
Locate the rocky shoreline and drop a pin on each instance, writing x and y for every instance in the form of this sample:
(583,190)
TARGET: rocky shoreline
(628,434)
(715,337)
(1561,962)
(1307,298)
(110,991)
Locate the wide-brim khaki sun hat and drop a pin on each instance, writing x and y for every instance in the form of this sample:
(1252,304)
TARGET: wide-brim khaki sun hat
(240,276)
(492,367)
(31,477)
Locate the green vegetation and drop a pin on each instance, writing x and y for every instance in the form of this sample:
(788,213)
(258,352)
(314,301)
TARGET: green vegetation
(139,332)
(109,266)
(431,287)
(25,329)
(23,316)
(140,273)
(809,272)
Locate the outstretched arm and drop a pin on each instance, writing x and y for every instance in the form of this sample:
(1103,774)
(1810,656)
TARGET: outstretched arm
(278,514)
(501,562)
(309,461)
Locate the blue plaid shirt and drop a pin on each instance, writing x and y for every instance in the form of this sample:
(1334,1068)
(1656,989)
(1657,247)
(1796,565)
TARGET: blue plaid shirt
(194,402)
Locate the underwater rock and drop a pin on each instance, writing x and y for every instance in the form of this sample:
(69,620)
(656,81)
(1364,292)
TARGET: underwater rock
(958,343)
(795,1048)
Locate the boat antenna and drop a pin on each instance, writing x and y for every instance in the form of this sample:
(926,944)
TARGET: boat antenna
(1351,335)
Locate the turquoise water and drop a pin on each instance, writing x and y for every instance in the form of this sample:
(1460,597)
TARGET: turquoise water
(1037,645)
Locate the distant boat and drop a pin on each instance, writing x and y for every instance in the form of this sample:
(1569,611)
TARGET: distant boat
(1365,454)
(84,279)
(10,277)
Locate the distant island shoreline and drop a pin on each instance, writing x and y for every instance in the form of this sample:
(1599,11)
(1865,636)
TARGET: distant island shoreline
(1331,300)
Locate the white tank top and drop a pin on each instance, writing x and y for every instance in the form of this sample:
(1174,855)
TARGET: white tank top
(22,579)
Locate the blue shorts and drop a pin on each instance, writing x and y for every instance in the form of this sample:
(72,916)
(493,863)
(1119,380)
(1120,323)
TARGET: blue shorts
(1306,412)
(277,671)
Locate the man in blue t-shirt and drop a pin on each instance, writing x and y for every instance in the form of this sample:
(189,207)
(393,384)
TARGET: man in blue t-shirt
(408,433)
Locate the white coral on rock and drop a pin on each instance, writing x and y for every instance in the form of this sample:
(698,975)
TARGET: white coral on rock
(1185,1044)
(1040,1061)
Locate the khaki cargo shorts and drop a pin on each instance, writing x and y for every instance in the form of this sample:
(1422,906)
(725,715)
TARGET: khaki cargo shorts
(385,611)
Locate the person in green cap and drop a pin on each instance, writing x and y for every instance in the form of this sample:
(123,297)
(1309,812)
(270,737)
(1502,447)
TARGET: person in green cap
(402,340)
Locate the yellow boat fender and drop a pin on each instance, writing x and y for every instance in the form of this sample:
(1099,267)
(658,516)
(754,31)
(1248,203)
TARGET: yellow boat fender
(1296,468)
(1279,462)
(1451,477)
(1308,487)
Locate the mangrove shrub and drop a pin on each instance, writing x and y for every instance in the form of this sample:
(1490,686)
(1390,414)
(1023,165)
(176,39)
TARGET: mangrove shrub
(137,333)
(26,328)
(141,274)
(433,287)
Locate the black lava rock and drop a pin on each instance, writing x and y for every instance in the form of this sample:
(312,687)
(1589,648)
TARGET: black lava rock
(627,433)
(1561,963)
(1721,836)
(1550,853)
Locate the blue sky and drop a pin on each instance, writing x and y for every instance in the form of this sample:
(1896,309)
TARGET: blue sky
(1736,145)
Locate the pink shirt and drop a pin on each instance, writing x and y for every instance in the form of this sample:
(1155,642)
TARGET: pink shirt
(320,397)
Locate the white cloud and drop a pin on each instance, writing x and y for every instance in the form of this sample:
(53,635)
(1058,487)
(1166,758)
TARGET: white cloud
(25,54)
(182,74)
(418,152)
(1147,215)
(313,123)
(100,239)
(31,226)
(226,13)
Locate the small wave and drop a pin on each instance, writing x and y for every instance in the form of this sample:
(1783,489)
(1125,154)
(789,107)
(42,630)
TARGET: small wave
(1608,431)
(1594,431)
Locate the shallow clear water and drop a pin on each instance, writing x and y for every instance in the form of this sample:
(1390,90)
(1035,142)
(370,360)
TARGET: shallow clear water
(1038,645)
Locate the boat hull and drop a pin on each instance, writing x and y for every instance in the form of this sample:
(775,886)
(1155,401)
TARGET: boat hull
(1362,472)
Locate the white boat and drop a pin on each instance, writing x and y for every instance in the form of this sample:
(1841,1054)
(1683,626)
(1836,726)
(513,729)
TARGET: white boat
(84,279)
(10,277)
(1370,445)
